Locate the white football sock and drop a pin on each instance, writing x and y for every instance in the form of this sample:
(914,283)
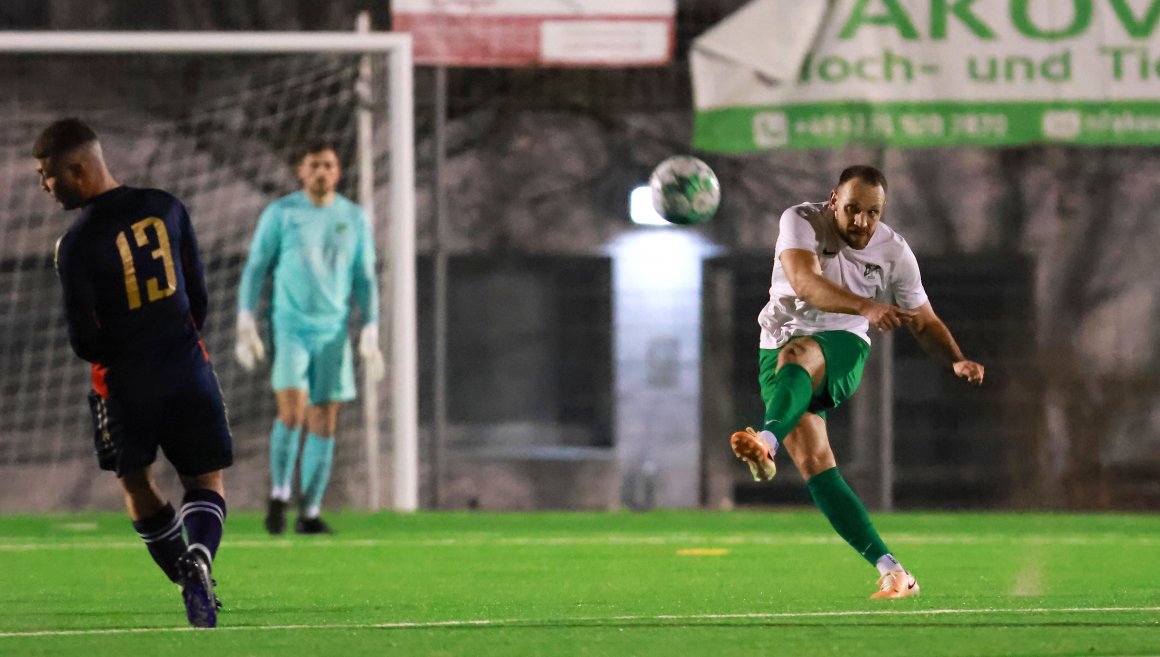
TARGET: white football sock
(887,563)
(771,439)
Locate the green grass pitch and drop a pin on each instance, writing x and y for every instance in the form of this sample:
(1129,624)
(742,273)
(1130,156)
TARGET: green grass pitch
(663,583)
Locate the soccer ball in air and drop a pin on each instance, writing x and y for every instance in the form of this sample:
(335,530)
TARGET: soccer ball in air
(685,190)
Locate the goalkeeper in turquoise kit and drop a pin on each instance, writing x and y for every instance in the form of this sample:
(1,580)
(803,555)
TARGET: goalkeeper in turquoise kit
(319,246)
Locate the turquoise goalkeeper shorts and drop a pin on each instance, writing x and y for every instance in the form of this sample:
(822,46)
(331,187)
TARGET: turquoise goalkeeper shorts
(320,363)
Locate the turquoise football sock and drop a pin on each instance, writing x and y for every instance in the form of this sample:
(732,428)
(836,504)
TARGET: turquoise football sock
(317,459)
(283,454)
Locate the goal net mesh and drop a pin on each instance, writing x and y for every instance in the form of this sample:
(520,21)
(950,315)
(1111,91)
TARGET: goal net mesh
(219,132)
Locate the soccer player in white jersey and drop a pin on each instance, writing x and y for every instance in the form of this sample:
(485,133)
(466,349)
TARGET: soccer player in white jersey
(837,272)
(319,245)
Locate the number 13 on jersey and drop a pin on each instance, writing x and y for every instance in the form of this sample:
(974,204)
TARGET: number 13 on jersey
(155,289)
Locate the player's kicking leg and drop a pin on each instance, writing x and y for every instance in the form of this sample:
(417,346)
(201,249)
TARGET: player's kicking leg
(757,450)
(788,375)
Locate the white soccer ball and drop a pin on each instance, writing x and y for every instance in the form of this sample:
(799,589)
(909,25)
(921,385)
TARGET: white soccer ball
(685,190)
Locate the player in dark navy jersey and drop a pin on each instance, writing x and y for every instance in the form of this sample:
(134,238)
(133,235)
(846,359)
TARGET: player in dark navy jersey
(135,299)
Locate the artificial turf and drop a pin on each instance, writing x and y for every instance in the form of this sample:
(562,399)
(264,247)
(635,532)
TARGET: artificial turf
(661,583)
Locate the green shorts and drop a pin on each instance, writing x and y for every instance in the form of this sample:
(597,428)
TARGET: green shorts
(845,355)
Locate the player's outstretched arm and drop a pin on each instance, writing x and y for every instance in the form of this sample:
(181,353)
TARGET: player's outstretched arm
(804,272)
(936,340)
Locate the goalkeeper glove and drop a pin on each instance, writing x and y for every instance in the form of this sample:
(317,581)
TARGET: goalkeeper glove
(249,348)
(368,349)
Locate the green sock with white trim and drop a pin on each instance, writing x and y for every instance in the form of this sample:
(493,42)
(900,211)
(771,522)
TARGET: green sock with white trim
(791,396)
(847,514)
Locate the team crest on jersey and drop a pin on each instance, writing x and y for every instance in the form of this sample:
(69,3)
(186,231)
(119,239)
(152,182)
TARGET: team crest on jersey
(340,228)
(872,271)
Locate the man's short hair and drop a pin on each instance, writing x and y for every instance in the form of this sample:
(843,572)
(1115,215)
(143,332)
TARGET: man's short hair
(864,172)
(62,137)
(314,147)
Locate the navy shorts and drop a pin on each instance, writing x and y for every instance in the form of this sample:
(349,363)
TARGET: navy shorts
(184,416)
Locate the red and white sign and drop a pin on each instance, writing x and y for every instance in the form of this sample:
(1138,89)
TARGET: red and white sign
(518,33)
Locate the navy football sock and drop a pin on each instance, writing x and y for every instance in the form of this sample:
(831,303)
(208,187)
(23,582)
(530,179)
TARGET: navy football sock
(204,513)
(162,535)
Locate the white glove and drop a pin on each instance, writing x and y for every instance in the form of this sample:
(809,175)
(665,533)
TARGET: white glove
(249,348)
(368,349)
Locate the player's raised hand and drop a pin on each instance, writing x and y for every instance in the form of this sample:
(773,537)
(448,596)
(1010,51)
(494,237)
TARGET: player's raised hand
(969,370)
(249,348)
(368,349)
(885,317)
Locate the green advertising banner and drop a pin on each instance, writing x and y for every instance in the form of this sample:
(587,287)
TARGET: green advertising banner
(812,73)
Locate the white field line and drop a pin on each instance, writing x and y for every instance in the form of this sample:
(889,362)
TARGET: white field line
(589,619)
(10,545)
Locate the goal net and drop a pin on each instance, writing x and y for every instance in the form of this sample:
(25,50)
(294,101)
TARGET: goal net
(217,126)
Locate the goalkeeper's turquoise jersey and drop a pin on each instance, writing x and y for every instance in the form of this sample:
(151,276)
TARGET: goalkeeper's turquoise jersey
(320,256)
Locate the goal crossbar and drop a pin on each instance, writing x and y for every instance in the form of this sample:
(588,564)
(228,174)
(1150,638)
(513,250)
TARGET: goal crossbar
(400,245)
(206,42)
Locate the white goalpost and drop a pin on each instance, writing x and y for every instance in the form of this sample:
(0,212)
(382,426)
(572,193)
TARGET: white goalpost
(324,88)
